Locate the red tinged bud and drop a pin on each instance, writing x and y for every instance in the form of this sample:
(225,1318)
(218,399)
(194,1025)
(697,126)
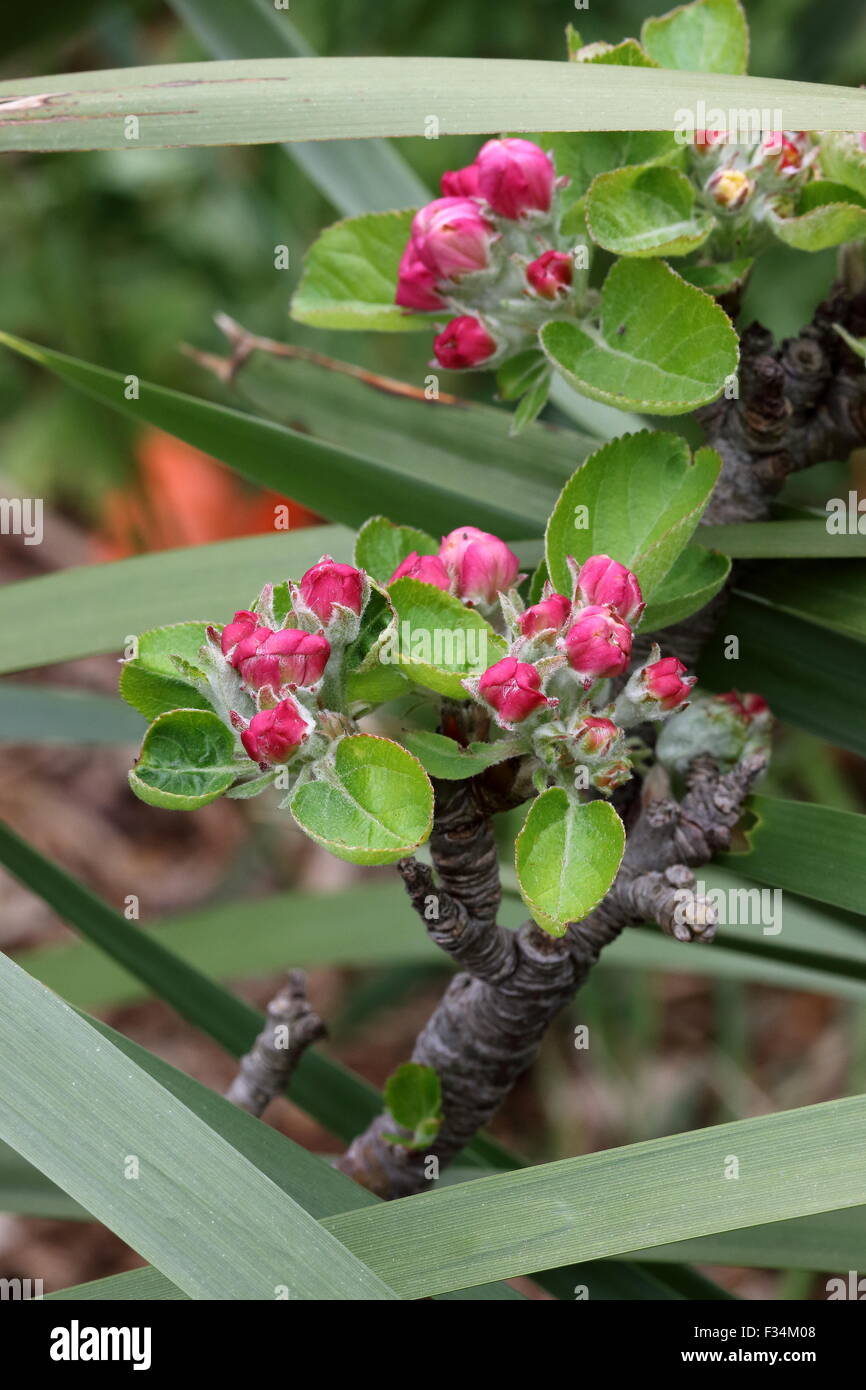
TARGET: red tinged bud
(603,581)
(546,616)
(598,644)
(730,188)
(328,584)
(515,176)
(275,735)
(778,146)
(750,706)
(463,343)
(551,274)
(287,657)
(460,183)
(596,736)
(513,689)
(241,626)
(663,682)
(481,565)
(428,568)
(416,284)
(451,237)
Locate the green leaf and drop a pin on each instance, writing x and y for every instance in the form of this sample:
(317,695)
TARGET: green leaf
(567,857)
(662,346)
(446,759)
(186,761)
(52,714)
(717,279)
(831,593)
(345,436)
(813,850)
(438,639)
(628,54)
(843,159)
(152,683)
(103,604)
(706,36)
(598,1205)
(779,540)
(812,676)
(276,99)
(695,577)
(413,1098)
(382,546)
(646,211)
(350,276)
(828,224)
(88,1106)
(582,157)
(356,177)
(373,803)
(637,499)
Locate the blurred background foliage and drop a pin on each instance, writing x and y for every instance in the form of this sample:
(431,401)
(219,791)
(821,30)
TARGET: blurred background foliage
(120,258)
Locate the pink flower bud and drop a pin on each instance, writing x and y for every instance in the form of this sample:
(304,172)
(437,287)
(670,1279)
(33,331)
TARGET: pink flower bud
(416,283)
(460,183)
(597,645)
(546,616)
(451,237)
(275,735)
(428,568)
(613,775)
(329,583)
(596,736)
(287,657)
(464,342)
(242,625)
(664,683)
(480,565)
(551,274)
(730,188)
(513,689)
(515,176)
(603,581)
(786,154)
(750,706)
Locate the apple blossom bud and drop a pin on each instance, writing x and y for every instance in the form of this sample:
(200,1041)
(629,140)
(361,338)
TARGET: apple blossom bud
(602,580)
(513,689)
(663,683)
(329,583)
(241,626)
(480,565)
(428,568)
(595,736)
(416,283)
(750,706)
(460,183)
(546,616)
(787,156)
(730,188)
(515,176)
(287,657)
(551,274)
(452,237)
(463,343)
(613,775)
(275,735)
(597,645)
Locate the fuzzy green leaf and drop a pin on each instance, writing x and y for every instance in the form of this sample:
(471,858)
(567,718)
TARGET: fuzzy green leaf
(350,276)
(567,857)
(646,211)
(186,761)
(706,36)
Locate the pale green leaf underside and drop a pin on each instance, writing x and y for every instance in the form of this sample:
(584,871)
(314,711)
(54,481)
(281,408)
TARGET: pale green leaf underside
(350,276)
(186,761)
(646,212)
(567,857)
(706,36)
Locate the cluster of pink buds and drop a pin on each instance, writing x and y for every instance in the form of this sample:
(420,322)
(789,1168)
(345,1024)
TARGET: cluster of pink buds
(733,174)
(474,565)
(726,727)
(487,252)
(552,686)
(280,669)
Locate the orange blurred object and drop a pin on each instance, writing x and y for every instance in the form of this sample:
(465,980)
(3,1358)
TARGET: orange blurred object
(183,497)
